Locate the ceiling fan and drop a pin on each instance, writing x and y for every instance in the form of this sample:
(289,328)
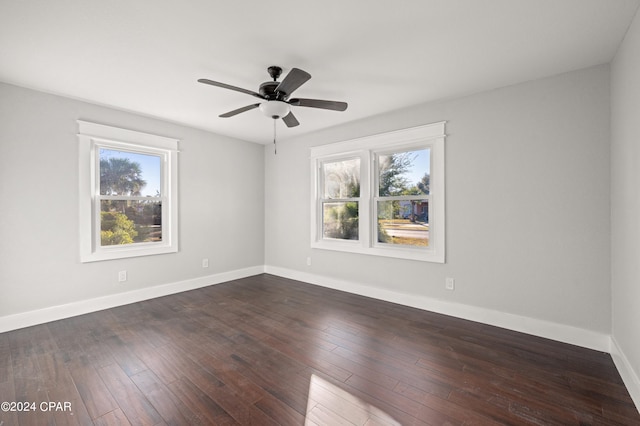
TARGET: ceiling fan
(276,96)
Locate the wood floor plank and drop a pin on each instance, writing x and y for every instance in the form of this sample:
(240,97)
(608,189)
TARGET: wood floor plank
(279,410)
(8,394)
(236,398)
(131,401)
(267,350)
(113,418)
(208,411)
(231,375)
(6,373)
(97,399)
(69,408)
(173,411)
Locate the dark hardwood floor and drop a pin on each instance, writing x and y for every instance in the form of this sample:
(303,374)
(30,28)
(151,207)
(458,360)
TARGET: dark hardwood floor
(266,350)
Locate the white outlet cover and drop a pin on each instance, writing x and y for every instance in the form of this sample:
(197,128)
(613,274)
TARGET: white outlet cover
(450,284)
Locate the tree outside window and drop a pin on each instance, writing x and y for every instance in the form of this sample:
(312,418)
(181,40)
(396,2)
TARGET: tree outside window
(130,197)
(402,203)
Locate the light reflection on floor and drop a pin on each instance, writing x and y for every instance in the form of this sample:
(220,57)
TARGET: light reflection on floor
(329,404)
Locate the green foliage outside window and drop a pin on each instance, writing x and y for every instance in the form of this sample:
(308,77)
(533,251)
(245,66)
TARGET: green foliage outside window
(341,221)
(127,221)
(116,228)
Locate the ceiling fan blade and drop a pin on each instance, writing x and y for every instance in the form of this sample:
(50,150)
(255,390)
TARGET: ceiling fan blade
(318,103)
(290,120)
(292,81)
(238,111)
(230,87)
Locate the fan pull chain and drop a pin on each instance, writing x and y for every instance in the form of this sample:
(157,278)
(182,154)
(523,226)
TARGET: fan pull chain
(275,148)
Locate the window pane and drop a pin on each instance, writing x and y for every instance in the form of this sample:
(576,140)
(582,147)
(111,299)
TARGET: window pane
(403,222)
(404,173)
(340,220)
(129,173)
(129,222)
(341,179)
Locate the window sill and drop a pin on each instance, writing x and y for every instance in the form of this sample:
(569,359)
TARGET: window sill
(423,255)
(119,252)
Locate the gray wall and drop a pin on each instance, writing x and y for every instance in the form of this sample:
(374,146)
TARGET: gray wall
(528,212)
(220,190)
(625,199)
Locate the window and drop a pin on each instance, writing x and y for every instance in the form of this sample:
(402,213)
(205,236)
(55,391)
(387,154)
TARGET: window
(340,199)
(381,195)
(128,193)
(402,198)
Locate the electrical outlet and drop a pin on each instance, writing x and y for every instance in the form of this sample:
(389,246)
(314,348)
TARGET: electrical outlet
(122,276)
(205,263)
(450,283)
(308,261)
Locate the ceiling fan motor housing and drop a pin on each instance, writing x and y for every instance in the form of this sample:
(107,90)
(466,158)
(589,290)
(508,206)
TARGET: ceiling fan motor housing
(268,90)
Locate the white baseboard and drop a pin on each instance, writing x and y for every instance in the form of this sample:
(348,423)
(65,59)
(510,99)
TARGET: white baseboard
(54,313)
(629,376)
(559,332)
(563,333)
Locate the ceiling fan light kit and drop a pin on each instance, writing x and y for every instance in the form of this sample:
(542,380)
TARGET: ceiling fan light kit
(275,109)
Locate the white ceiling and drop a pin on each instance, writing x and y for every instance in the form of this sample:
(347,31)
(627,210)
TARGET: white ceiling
(145,56)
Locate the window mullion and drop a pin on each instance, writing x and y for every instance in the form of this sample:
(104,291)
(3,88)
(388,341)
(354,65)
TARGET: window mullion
(130,198)
(339,200)
(402,197)
(365,195)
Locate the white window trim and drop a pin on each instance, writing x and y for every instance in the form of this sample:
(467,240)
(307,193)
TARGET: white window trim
(431,136)
(91,136)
